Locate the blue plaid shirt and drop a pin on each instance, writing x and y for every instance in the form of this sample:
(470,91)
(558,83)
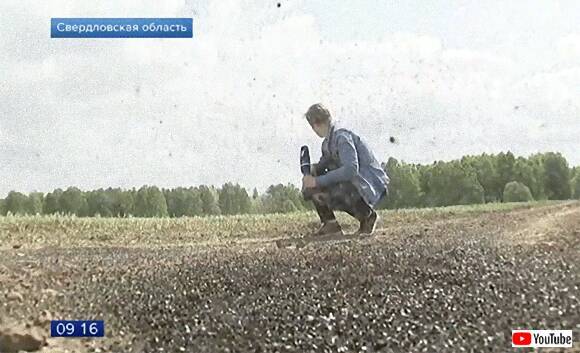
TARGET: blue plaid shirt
(349,158)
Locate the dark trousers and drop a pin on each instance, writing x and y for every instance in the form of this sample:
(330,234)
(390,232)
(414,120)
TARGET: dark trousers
(340,197)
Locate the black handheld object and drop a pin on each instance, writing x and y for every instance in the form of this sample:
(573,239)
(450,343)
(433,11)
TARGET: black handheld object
(304,160)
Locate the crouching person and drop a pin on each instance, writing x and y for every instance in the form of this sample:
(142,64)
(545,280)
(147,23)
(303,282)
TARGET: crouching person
(347,178)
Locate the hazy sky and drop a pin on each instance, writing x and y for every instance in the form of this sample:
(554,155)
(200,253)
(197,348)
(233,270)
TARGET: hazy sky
(445,78)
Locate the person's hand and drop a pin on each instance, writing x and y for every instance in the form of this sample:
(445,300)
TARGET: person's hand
(308,181)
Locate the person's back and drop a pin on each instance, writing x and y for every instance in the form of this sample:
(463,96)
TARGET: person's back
(371,180)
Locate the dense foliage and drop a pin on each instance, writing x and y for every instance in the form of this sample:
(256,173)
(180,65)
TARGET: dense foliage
(482,178)
(515,191)
(471,180)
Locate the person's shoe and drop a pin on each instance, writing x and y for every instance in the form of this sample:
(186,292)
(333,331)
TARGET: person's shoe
(368,225)
(329,228)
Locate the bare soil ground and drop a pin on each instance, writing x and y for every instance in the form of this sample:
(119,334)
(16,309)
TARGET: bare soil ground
(449,283)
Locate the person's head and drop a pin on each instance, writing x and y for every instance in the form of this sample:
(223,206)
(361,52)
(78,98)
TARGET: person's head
(319,119)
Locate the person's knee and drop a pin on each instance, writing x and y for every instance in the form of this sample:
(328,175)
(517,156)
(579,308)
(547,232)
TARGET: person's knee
(320,198)
(314,194)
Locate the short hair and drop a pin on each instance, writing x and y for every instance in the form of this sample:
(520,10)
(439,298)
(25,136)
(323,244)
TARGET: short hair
(318,113)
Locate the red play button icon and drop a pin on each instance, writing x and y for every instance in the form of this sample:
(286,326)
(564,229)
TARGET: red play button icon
(521,338)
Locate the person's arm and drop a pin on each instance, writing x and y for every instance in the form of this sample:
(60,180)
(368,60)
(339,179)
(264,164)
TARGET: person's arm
(318,168)
(324,162)
(349,160)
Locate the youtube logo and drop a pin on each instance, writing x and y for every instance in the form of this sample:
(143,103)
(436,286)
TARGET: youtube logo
(542,338)
(521,338)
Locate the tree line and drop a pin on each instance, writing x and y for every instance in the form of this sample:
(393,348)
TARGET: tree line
(152,201)
(470,180)
(480,179)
